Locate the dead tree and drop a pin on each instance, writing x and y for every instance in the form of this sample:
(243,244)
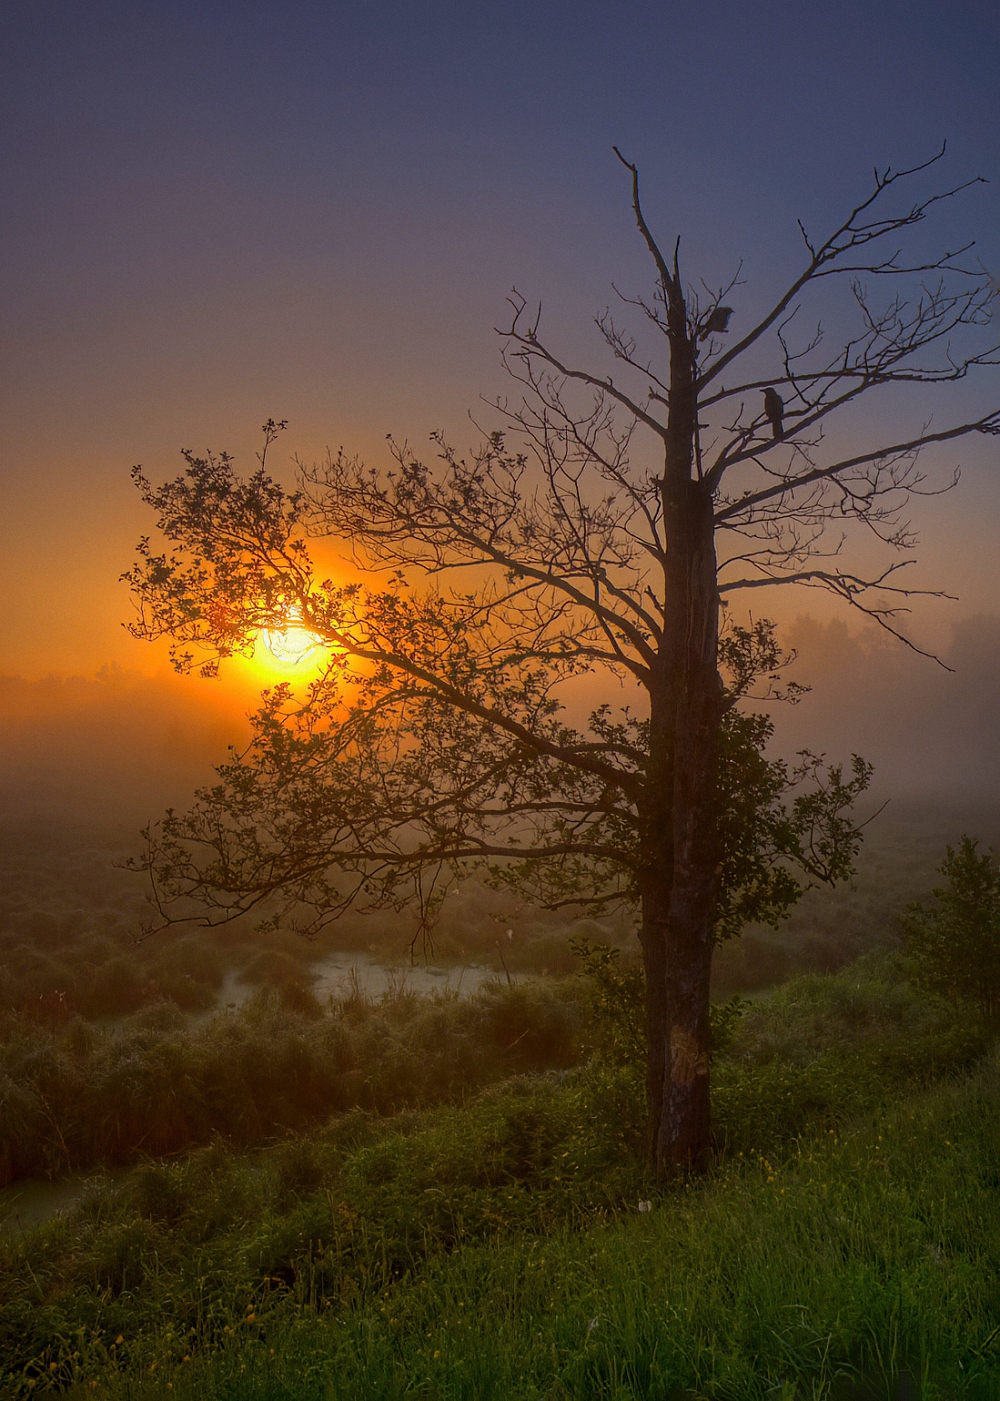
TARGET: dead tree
(434,740)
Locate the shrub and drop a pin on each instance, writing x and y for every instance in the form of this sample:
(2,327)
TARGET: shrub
(824,1049)
(84,1095)
(617,1005)
(954,946)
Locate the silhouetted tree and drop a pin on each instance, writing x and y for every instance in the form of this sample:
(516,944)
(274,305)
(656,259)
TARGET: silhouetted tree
(435,738)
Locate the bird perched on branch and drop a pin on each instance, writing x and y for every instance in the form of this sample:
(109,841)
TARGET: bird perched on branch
(774,407)
(718,321)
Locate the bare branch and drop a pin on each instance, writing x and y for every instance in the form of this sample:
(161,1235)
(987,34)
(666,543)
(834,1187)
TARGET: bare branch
(989,423)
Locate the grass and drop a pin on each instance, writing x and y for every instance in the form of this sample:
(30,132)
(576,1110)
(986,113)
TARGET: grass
(858,1255)
(493,1248)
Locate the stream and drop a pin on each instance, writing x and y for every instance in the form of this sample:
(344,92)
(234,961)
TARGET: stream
(339,974)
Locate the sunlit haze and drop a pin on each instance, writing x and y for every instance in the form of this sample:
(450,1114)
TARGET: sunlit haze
(219,213)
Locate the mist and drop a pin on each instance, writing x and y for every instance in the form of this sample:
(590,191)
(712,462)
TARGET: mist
(111,751)
(929,725)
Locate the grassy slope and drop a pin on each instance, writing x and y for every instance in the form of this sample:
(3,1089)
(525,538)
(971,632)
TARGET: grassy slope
(865,1254)
(466,1251)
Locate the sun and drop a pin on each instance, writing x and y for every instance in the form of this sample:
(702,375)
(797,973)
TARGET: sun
(292,644)
(288,648)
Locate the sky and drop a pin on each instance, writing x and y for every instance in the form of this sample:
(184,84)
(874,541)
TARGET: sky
(215,213)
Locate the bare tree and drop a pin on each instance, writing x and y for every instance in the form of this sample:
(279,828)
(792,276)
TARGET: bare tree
(435,737)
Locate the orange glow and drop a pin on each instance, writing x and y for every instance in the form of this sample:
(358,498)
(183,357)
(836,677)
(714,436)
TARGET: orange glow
(288,653)
(291,645)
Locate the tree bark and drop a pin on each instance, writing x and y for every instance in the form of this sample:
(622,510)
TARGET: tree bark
(679,886)
(680,880)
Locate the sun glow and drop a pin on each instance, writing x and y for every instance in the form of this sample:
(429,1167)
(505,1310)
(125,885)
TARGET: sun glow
(292,645)
(289,648)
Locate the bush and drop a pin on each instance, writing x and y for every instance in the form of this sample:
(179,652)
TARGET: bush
(823,1050)
(954,946)
(81,1095)
(616,1002)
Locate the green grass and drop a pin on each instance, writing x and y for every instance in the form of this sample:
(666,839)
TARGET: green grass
(861,1254)
(494,1248)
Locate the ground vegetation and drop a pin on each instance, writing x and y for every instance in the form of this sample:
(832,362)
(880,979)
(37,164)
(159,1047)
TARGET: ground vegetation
(516,1243)
(953,943)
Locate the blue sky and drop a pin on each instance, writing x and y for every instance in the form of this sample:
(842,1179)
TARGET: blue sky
(217,212)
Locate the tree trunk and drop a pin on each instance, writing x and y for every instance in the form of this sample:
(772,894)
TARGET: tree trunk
(680,826)
(681,837)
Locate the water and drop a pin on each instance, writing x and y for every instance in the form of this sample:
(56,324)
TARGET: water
(337,975)
(31,1202)
(340,974)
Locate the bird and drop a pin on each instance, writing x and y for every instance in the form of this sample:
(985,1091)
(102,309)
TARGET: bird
(718,321)
(774,407)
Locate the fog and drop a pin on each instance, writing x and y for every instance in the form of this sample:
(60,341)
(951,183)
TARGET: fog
(929,726)
(113,750)
(86,762)
(108,751)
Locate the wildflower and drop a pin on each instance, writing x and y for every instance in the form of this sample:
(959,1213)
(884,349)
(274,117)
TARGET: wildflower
(645,1206)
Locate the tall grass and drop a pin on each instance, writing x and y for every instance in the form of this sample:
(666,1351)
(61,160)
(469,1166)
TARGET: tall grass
(493,1248)
(857,1257)
(81,1096)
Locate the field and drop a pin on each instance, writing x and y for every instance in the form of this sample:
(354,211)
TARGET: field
(444,1193)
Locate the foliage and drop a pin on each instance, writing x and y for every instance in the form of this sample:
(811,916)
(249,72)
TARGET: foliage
(470,1247)
(616,1002)
(438,735)
(823,1050)
(617,1012)
(377,789)
(78,1096)
(779,822)
(954,945)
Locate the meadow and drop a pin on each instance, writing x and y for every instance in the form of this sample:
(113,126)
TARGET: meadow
(466,1247)
(445,1195)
